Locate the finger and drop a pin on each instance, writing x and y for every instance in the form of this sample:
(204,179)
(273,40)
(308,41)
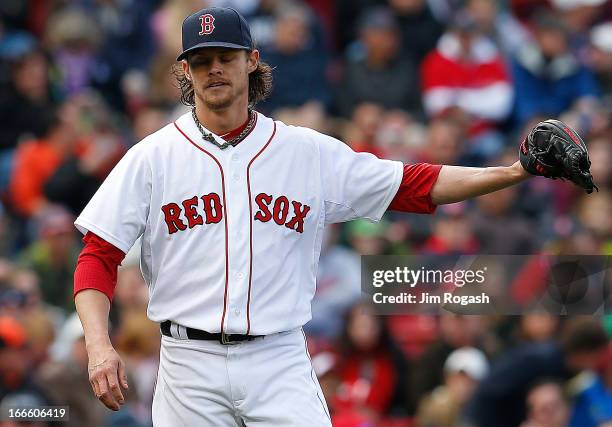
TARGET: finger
(113,385)
(94,386)
(105,394)
(123,375)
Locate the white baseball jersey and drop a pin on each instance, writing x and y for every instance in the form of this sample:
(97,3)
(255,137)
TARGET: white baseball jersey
(231,238)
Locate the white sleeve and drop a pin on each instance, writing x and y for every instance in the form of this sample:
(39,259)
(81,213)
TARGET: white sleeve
(119,210)
(355,185)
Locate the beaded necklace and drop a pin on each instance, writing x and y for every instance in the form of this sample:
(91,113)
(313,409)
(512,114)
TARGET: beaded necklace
(208,136)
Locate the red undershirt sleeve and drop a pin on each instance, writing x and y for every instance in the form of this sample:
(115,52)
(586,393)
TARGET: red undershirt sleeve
(414,193)
(97,266)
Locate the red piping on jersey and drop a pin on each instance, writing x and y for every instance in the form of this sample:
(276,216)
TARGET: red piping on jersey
(225,219)
(251,227)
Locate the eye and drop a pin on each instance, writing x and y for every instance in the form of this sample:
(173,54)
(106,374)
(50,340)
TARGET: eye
(226,58)
(197,62)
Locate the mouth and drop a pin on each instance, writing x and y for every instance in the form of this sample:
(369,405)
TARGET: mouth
(216,84)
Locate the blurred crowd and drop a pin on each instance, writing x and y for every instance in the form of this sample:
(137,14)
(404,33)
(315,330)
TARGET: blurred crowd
(441,81)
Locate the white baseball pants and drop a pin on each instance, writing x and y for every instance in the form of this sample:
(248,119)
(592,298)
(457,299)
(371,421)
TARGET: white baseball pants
(265,382)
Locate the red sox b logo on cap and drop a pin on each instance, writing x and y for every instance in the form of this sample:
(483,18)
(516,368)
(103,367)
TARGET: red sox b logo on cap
(208,24)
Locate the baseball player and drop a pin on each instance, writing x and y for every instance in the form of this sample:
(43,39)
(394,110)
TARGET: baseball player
(231,207)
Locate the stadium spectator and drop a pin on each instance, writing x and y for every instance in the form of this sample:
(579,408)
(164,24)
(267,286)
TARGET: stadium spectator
(499,400)
(465,76)
(443,407)
(587,211)
(548,77)
(399,136)
(127,43)
(593,401)
(99,148)
(499,230)
(498,225)
(347,19)
(360,132)
(261,20)
(444,10)
(27,283)
(297,54)
(16,370)
(369,238)
(579,16)
(40,331)
(312,114)
(37,160)
(65,377)
(498,24)
(601,158)
(452,233)
(600,55)
(537,327)
(73,37)
(162,91)
(53,256)
(147,120)
(379,74)
(455,332)
(137,342)
(25,106)
(418,27)
(547,405)
(443,142)
(166,29)
(366,367)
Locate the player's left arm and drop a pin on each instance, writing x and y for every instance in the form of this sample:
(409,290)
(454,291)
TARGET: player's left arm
(457,183)
(552,149)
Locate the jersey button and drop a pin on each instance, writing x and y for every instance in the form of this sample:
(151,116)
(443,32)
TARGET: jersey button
(235,157)
(236,177)
(237,312)
(240,275)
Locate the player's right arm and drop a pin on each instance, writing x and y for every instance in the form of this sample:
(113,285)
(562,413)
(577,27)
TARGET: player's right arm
(112,221)
(106,369)
(95,279)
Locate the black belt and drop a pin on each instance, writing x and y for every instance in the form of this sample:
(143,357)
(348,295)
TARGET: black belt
(197,334)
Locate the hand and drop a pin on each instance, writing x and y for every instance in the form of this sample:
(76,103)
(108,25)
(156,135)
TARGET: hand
(107,376)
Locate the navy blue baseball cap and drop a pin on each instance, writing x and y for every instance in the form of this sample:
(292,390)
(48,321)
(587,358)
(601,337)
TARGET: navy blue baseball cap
(215,27)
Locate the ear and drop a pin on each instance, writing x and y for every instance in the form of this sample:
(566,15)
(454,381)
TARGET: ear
(252,60)
(186,69)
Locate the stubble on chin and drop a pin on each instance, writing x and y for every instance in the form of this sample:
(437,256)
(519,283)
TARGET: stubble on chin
(215,103)
(219,103)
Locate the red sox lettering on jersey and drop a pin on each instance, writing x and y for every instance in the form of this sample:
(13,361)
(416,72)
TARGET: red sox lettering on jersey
(180,219)
(231,237)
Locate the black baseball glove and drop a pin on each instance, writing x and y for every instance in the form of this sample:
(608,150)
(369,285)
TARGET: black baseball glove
(554,150)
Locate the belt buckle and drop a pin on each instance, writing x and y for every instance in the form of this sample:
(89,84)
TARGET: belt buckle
(226,340)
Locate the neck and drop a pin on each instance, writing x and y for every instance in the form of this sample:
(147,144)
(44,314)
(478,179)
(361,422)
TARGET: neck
(222,121)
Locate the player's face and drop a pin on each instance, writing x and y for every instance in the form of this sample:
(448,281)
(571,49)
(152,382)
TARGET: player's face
(220,76)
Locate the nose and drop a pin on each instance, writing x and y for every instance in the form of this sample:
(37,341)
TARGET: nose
(215,67)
